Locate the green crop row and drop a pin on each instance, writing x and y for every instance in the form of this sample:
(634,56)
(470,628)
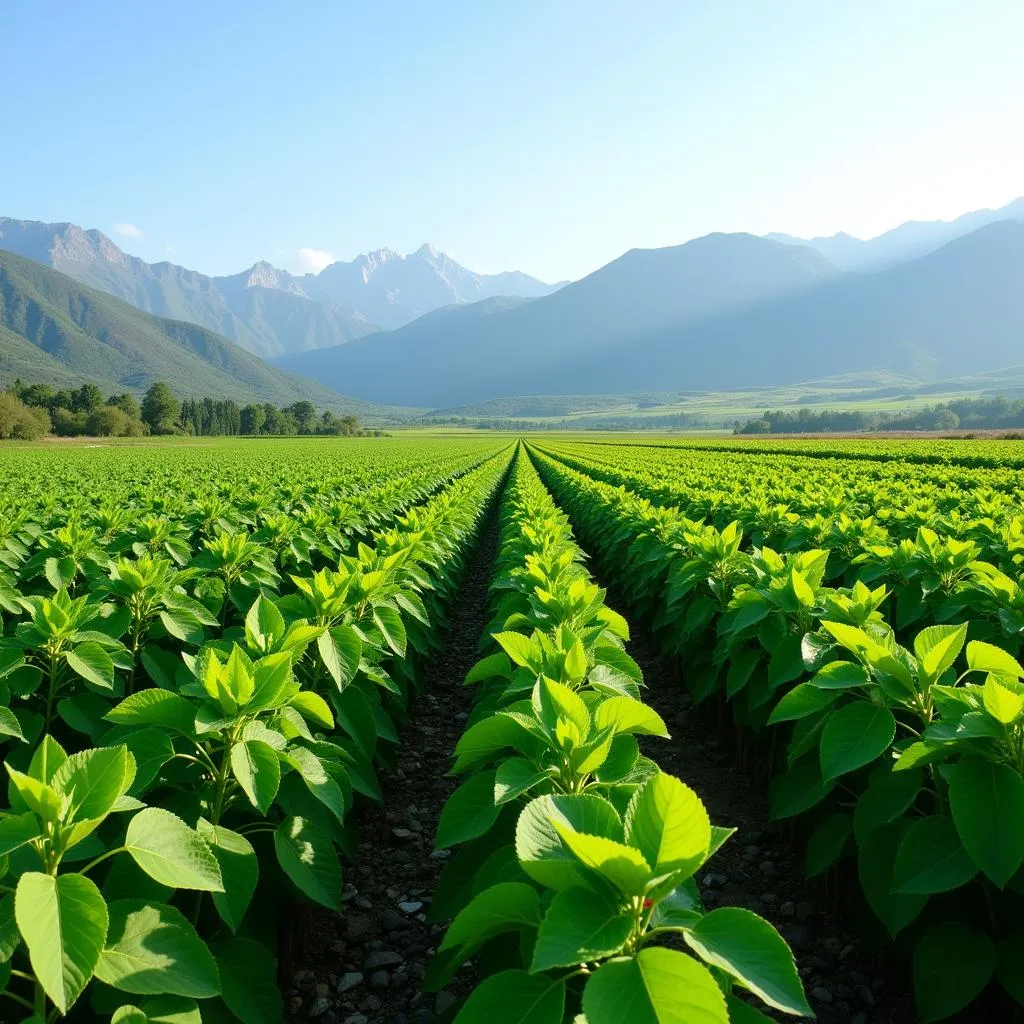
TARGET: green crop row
(576,854)
(890,672)
(187,714)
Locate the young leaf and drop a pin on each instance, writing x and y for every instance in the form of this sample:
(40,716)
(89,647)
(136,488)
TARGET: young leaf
(93,664)
(932,858)
(469,812)
(668,823)
(507,906)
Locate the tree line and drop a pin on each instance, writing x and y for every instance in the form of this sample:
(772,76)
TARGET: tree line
(31,411)
(958,414)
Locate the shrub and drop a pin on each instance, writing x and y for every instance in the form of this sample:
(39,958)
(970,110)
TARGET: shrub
(21,422)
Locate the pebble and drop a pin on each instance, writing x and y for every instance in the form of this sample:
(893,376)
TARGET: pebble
(320,1006)
(379,979)
(768,868)
(411,907)
(382,958)
(401,833)
(349,980)
(357,1018)
(823,995)
(440,854)
(444,1002)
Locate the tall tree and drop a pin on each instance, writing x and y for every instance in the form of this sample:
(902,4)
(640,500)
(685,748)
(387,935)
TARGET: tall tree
(159,408)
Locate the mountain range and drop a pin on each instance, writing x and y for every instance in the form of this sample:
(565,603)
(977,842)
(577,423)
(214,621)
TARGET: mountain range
(56,330)
(266,310)
(908,241)
(721,311)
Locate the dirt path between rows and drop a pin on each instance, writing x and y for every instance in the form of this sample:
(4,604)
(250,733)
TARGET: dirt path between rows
(365,965)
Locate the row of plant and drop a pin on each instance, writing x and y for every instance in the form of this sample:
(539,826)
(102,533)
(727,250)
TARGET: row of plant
(175,770)
(993,452)
(892,735)
(572,886)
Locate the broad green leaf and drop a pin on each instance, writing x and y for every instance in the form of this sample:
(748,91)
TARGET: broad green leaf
(494,666)
(264,624)
(953,962)
(17,830)
(623,866)
(514,997)
(317,780)
(156,707)
(754,953)
(248,977)
(1003,698)
(553,702)
(932,858)
(152,949)
(469,812)
(389,622)
(888,795)
(1009,957)
(92,781)
(514,777)
(63,921)
(37,796)
(9,724)
(579,926)
(46,759)
(539,846)
(239,871)
(307,856)
(840,675)
(982,657)
(875,869)
(313,708)
(256,768)
(507,906)
(152,749)
(93,664)
(854,736)
(803,700)
(627,715)
(987,803)
(669,825)
(657,986)
(340,650)
(826,842)
(938,647)
(799,789)
(519,648)
(170,852)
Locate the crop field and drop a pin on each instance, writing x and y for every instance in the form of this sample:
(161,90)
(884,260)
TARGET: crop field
(592,730)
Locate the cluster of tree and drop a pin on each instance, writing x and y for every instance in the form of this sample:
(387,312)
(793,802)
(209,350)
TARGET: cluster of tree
(29,411)
(961,413)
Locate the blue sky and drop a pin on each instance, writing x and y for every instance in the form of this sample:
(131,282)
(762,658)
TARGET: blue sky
(542,135)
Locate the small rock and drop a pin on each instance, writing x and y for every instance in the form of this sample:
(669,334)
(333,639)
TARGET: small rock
(401,833)
(866,994)
(295,1004)
(768,868)
(804,910)
(787,909)
(440,854)
(393,921)
(823,995)
(356,1018)
(349,981)
(859,1018)
(320,1006)
(444,1002)
(322,989)
(379,979)
(382,958)
(410,907)
(371,1004)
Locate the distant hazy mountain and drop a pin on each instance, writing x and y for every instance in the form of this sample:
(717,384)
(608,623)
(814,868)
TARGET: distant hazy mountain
(490,349)
(56,330)
(391,290)
(908,241)
(264,309)
(723,311)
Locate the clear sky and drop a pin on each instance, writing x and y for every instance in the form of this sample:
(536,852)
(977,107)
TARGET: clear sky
(541,135)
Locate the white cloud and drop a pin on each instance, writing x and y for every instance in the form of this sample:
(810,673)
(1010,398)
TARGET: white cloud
(314,260)
(128,230)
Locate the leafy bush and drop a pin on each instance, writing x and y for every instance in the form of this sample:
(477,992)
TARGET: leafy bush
(20,422)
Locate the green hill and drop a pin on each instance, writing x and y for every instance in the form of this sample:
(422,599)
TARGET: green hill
(56,330)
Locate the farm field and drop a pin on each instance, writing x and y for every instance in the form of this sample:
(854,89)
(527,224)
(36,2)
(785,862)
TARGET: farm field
(466,727)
